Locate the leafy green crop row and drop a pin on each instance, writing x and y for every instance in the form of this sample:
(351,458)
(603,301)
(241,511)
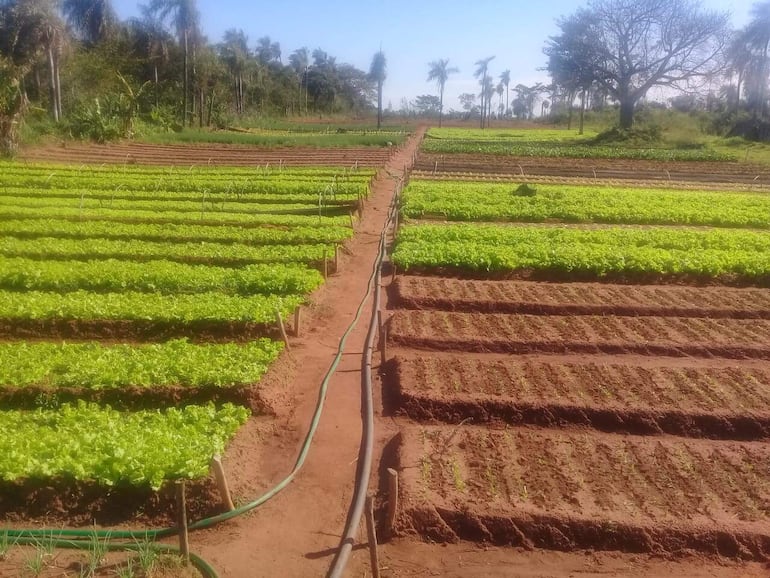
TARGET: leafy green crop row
(189,186)
(173,363)
(598,252)
(108,196)
(190,252)
(205,217)
(171,232)
(91,443)
(165,277)
(132,306)
(113,172)
(543,135)
(197,207)
(570,150)
(468,201)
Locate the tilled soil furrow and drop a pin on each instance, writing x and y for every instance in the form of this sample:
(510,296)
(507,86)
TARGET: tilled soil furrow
(580,298)
(438,330)
(570,490)
(728,402)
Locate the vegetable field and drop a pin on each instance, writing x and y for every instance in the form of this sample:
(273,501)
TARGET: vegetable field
(138,311)
(581,365)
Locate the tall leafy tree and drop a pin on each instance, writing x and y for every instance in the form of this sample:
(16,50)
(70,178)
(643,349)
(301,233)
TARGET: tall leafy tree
(184,16)
(378,72)
(439,71)
(91,19)
(505,80)
(482,72)
(299,60)
(633,45)
(750,53)
(234,51)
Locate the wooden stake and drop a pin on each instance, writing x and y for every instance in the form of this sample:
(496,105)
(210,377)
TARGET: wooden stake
(224,490)
(352,224)
(297,320)
(282,328)
(392,500)
(372,534)
(184,539)
(336,258)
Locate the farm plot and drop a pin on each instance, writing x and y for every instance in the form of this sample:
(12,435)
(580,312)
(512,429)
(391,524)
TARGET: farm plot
(590,371)
(570,490)
(166,288)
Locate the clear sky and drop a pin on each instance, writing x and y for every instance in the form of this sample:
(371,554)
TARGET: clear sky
(412,33)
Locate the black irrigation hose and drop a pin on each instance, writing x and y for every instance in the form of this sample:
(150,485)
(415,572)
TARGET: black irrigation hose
(367,414)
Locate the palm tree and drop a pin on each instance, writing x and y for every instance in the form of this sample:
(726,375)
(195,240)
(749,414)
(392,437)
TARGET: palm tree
(439,71)
(482,67)
(505,79)
(184,16)
(500,89)
(378,71)
(756,37)
(234,50)
(299,61)
(92,19)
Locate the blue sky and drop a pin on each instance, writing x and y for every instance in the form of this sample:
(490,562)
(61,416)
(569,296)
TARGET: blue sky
(412,34)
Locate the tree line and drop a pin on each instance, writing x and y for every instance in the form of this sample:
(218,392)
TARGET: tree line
(96,74)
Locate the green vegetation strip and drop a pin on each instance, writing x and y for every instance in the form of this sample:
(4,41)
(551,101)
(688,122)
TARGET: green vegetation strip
(190,252)
(197,207)
(87,442)
(583,204)
(570,150)
(165,277)
(147,307)
(544,135)
(598,252)
(172,232)
(95,366)
(125,171)
(183,217)
(108,196)
(189,186)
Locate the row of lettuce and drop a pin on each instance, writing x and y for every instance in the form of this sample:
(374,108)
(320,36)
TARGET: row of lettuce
(135,266)
(590,232)
(556,143)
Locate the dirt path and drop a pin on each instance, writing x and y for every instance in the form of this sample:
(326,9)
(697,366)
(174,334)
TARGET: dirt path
(296,533)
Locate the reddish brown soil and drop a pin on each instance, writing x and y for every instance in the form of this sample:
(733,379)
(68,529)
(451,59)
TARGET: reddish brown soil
(60,502)
(734,338)
(424,293)
(718,400)
(713,172)
(213,155)
(566,490)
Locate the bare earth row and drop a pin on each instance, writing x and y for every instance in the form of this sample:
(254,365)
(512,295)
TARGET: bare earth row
(661,171)
(715,399)
(204,155)
(439,330)
(415,292)
(569,489)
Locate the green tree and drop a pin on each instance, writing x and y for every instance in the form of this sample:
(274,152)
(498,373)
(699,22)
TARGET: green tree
(505,80)
(439,71)
(378,71)
(184,16)
(299,60)
(93,20)
(633,45)
(482,71)
(234,51)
